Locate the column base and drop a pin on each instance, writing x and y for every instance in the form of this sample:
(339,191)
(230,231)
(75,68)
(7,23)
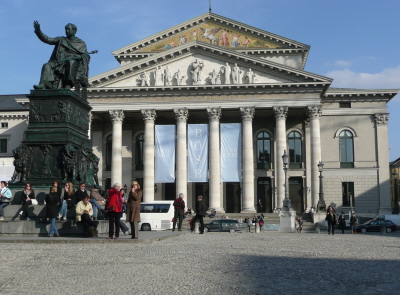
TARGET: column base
(385,210)
(287,221)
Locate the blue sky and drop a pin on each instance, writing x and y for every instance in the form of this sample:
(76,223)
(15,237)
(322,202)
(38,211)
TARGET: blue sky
(355,42)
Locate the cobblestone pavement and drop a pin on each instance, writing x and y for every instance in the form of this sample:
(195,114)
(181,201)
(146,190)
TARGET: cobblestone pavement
(213,263)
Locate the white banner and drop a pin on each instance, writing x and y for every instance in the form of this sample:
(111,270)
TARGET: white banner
(197,153)
(165,154)
(231,152)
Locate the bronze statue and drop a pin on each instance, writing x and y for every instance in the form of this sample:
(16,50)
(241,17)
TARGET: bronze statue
(69,63)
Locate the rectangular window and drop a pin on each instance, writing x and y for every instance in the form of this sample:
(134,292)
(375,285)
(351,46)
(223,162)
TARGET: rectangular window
(4,125)
(348,194)
(3,145)
(345,105)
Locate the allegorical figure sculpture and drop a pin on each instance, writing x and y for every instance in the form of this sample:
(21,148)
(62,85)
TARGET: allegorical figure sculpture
(196,71)
(69,63)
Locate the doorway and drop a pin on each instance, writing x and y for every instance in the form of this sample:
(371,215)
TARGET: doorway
(296,193)
(232,197)
(264,193)
(201,189)
(170,191)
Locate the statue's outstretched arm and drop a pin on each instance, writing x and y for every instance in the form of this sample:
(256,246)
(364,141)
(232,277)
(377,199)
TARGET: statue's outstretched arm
(42,37)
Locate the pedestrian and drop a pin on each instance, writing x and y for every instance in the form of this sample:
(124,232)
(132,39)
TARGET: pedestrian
(200,213)
(261,223)
(353,223)
(133,208)
(240,219)
(342,222)
(5,198)
(179,205)
(331,217)
(114,208)
(249,223)
(84,211)
(81,192)
(28,194)
(52,201)
(68,200)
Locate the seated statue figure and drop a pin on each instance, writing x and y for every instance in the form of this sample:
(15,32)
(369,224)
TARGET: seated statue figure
(69,63)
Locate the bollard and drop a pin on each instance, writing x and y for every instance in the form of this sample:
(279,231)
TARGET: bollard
(257,227)
(317,228)
(383,229)
(197,227)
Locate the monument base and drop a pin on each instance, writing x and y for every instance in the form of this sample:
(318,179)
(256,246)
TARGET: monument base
(287,221)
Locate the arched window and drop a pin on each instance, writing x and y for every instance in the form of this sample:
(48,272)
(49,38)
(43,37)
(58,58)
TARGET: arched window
(346,149)
(139,147)
(108,152)
(295,151)
(263,151)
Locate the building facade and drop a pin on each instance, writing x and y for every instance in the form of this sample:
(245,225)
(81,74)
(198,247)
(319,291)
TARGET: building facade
(212,71)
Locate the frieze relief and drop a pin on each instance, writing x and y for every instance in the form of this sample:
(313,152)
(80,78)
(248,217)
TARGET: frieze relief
(382,119)
(47,111)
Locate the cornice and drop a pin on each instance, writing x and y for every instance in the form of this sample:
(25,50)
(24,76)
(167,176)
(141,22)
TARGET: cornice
(344,94)
(135,67)
(201,19)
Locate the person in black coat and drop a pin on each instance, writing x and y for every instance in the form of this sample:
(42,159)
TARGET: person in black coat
(331,217)
(80,193)
(27,195)
(56,185)
(52,201)
(200,213)
(342,222)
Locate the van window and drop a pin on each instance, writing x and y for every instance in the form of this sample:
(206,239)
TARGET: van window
(154,208)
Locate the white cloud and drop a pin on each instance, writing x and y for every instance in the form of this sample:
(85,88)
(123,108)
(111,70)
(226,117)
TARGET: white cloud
(343,63)
(387,78)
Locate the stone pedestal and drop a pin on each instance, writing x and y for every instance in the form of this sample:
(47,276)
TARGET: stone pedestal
(320,218)
(287,221)
(56,144)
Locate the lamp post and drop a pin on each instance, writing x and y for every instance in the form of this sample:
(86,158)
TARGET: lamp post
(396,194)
(286,201)
(321,202)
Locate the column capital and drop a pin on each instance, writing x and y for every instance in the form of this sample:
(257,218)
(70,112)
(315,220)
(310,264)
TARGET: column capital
(247,113)
(382,119)
(181,115)
(314,112)
(214,114)
(149,116)
(117,116)
(280,112)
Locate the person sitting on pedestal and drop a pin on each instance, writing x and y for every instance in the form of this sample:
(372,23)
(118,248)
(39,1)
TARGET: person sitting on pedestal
(84,213)
(97,201)
(68,200)
(27,195)
(81,193)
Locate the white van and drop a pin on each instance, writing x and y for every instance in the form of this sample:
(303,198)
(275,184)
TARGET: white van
(156,215)
(395,218)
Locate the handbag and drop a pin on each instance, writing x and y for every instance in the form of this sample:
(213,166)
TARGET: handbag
(34,202)
(5,200)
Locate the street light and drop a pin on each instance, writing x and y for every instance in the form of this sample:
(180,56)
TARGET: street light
(321,202)
(396,194)
(286,201)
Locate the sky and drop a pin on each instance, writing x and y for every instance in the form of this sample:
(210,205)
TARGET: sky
(355,42)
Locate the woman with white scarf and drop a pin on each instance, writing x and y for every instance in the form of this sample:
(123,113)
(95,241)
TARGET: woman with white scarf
(5,195)
(27,195)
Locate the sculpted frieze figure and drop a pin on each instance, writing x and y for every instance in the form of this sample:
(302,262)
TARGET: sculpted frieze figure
(21,163)
(158,76)
(144,79)
(251,76)
(236,75)
(69,162)
(178,78)
(226,71)
(69,63)
(196,68)
(167,76)
(214,77)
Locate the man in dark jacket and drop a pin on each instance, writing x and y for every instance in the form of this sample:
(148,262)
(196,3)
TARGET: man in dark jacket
(179,205)
(200,213)
(81,193)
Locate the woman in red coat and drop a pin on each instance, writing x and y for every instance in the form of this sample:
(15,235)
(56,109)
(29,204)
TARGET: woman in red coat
(114,208)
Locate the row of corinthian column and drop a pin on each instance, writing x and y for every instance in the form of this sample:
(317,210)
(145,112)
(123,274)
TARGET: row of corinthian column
(214,115)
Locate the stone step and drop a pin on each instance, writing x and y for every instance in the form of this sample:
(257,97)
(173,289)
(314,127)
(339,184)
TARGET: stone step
(38,228)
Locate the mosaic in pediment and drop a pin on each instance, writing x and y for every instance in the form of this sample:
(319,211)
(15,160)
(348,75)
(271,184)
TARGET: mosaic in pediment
(215,34)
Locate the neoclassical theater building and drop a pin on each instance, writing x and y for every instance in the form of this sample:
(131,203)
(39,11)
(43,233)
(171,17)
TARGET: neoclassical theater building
(209,106)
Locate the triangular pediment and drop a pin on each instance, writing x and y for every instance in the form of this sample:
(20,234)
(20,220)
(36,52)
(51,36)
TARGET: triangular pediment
(216,30)
(198,63)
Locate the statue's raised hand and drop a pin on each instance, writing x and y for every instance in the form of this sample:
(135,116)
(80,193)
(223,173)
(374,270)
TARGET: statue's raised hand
(36,25)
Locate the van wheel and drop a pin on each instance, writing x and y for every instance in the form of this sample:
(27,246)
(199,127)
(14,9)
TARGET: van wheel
(363,230)
(146,227)
(232,231)
(206,230)
(388,229)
